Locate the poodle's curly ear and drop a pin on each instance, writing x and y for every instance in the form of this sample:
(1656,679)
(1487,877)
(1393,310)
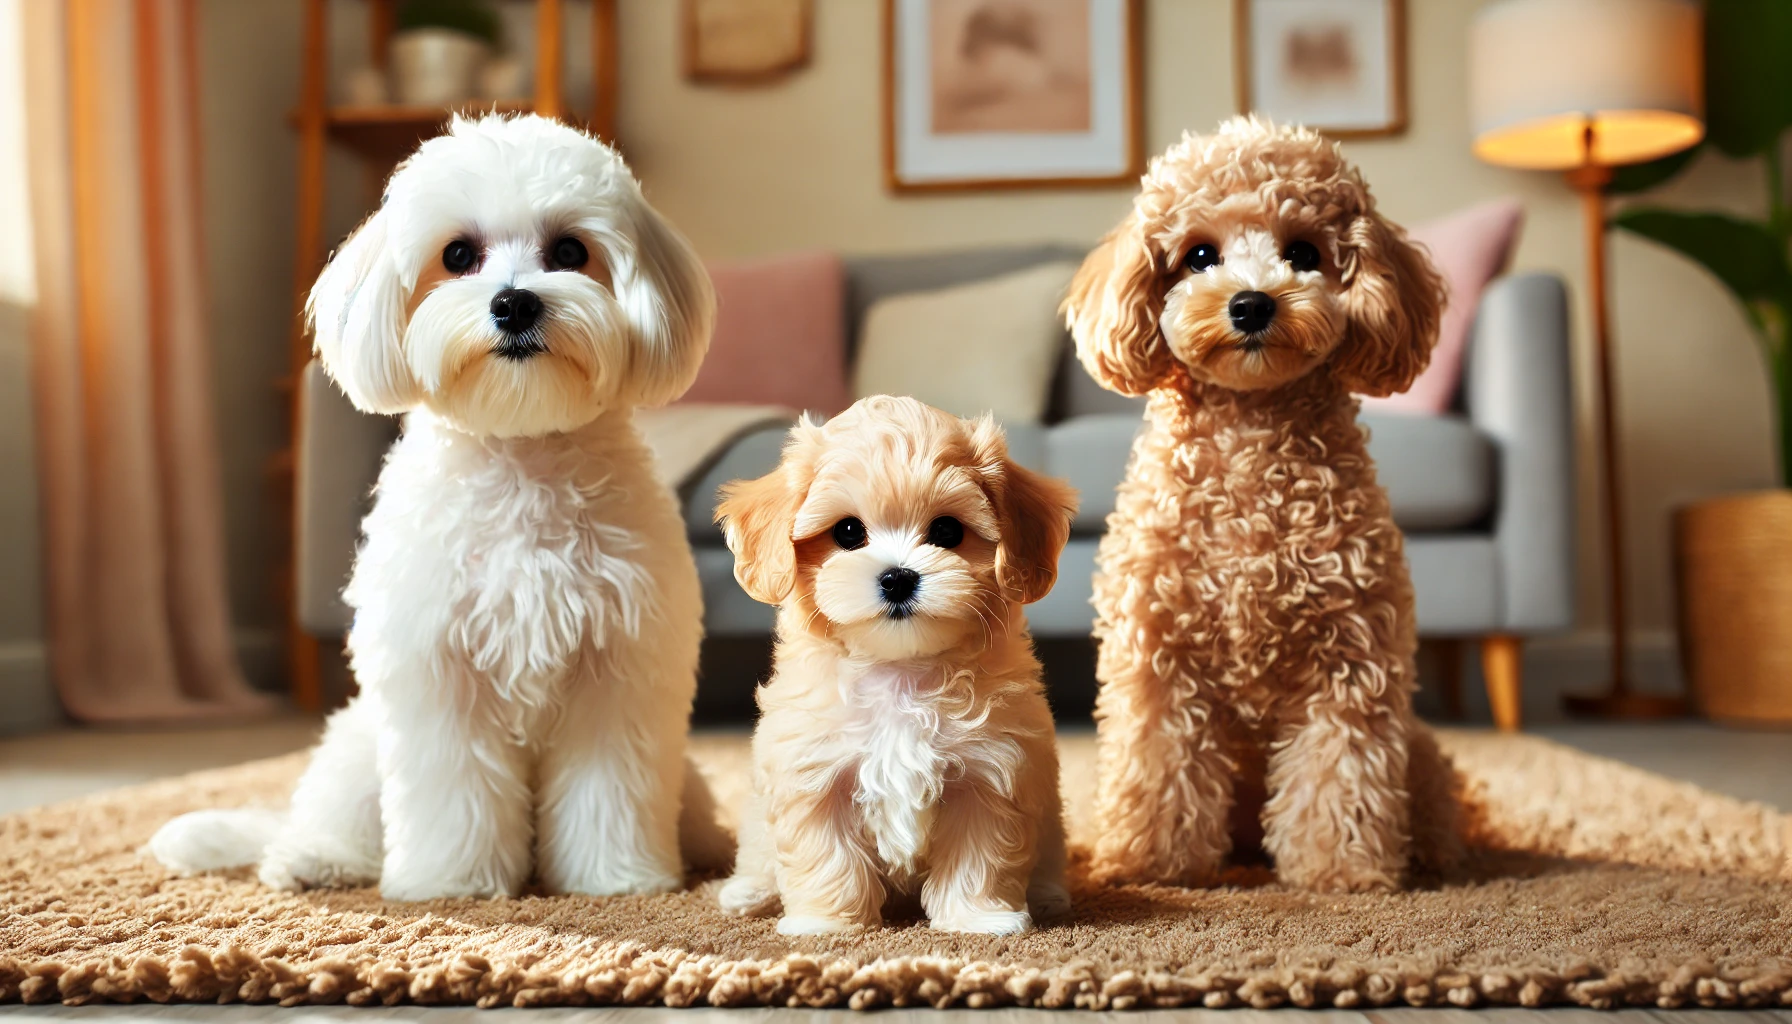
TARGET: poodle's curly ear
(356,315)
(758,517)
(1112,309)
(1033,515)
(671,307)
(1393,300)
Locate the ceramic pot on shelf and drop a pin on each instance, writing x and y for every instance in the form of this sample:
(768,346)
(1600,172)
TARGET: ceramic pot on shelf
(436,66)
(1733,562)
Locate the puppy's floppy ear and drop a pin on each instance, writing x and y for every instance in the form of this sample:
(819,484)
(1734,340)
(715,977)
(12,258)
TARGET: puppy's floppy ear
(758,516)
(670,305)
(1033,513)
(1393,300)
(1112,309)
(356,313)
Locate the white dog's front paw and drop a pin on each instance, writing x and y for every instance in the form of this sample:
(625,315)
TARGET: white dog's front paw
(294,869)
(616,880)
(986,922)
(748,897)
(816,925)
(1048,899)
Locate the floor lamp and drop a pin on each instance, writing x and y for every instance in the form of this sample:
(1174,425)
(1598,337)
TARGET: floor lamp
(1582,86)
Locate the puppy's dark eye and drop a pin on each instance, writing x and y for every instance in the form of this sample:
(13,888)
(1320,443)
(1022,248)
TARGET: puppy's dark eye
(849,533)
(1302,256)
(1201,257)
(945,532)
(568,254)
(459,256)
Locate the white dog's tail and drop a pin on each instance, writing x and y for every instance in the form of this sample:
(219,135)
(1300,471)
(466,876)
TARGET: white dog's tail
(213,840)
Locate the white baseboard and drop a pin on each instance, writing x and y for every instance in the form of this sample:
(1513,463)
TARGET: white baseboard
(28,699)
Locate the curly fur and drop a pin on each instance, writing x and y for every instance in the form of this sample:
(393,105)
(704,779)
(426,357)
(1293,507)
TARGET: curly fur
(900,746)
(1253,605)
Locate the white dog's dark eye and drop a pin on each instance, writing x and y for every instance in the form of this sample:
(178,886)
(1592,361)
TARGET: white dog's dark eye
(849,533)
(945,532)
(1201,257)
(568,254)
(459,256)
(1302,256)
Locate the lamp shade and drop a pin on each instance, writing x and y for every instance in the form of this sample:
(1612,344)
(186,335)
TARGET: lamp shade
(1541,72)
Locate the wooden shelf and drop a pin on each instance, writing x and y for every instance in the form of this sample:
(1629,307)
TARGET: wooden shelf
(390,132)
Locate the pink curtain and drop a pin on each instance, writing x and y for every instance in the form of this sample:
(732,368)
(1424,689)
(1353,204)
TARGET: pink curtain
(134,556)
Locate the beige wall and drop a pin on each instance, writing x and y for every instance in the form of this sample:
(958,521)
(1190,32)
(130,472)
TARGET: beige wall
(799,164)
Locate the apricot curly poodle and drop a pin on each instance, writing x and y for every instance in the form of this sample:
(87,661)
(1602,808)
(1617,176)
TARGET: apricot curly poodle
(1254,611)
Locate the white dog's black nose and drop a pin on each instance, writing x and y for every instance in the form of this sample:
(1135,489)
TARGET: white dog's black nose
(1251,311)
(515,310)
(898,585)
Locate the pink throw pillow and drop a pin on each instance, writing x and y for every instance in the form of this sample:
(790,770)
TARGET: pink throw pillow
(1470,247)
(779,337)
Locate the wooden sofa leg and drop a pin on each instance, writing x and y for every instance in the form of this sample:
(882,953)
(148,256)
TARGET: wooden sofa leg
(1500,663)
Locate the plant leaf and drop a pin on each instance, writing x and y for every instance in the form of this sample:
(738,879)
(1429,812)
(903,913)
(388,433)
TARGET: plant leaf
(1748,76)
(1743,254)
(1642,177)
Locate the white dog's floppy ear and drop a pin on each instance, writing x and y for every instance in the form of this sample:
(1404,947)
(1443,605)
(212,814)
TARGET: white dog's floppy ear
(1033,513)
(356,312)
(671,308)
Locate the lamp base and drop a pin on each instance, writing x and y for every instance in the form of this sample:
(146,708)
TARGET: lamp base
(1626,705)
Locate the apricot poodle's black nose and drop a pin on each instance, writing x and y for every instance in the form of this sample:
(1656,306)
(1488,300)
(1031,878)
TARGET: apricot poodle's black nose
(898,585)
(515,310)
(1251,311)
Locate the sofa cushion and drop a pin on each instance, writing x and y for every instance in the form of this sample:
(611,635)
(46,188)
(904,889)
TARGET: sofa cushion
(987,346)
(755,454)
(779,334)
(1438,469)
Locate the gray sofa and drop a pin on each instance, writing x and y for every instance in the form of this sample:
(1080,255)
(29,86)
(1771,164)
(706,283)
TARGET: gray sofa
(1485,494)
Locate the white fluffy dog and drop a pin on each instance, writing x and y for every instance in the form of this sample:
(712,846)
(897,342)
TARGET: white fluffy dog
(527,613)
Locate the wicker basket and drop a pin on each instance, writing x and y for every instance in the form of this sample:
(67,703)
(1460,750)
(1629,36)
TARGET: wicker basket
(1734,561)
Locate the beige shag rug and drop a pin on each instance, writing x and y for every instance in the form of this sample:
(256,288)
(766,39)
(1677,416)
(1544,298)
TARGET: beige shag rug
(1594,884)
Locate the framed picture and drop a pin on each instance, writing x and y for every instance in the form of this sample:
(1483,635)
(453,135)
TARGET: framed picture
(745,41)
(982,94)
(1338,66)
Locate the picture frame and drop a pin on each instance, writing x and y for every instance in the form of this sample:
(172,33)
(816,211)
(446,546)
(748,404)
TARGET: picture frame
(745,42)
(1336,66)
(1009,94)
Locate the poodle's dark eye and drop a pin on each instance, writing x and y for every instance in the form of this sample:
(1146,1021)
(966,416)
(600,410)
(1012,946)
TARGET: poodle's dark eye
(945,532)
(459,256)
(1201,257)
(1302,256)
(849,533)
(568,254)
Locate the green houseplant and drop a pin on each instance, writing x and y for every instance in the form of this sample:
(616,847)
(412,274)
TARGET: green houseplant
(439,48)
(1733,554)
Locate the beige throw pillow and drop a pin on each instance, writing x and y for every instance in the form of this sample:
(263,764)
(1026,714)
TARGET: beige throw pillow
(988,346)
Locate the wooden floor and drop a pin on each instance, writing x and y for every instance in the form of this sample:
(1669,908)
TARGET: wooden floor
(57,766)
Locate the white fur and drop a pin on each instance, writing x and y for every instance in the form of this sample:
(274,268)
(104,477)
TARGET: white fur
(527,611)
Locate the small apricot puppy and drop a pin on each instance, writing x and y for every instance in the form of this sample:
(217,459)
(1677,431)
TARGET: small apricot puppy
(904,737)
(1252,597)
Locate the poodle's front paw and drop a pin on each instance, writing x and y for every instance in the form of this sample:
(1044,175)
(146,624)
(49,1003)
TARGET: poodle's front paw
(985,922)
(1048,899)
(748,897)
(798,925)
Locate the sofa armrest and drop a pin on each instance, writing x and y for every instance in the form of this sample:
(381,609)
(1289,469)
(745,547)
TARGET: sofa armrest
(338,454)
(1519,390)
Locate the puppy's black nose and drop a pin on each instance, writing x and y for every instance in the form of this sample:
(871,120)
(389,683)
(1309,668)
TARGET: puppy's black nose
(1251,311)
(898,585)
(515,310)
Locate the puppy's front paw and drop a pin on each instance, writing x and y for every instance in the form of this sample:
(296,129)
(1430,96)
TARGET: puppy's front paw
(986,922)
(748,897)
(816,925)
(1048,899)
